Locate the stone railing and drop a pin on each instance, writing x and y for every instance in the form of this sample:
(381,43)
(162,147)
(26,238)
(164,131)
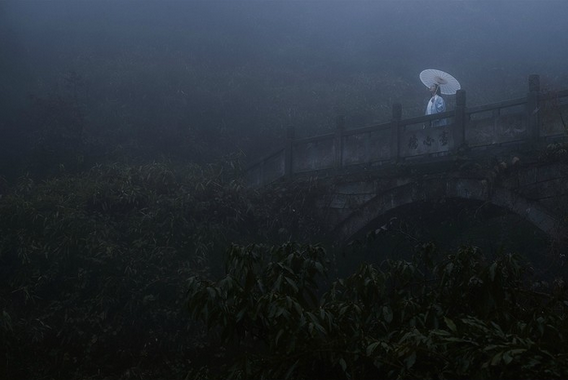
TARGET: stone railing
(529,120)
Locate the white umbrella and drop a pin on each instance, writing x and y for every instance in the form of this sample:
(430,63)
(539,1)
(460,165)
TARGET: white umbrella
(447,83)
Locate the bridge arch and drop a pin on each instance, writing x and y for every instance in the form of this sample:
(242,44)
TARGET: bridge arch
(435,189)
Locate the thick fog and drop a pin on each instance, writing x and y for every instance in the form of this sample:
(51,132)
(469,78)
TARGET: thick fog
(234,74)
(126,131)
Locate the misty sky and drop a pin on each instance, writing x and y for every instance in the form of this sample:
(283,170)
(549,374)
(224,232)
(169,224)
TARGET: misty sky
(124,48)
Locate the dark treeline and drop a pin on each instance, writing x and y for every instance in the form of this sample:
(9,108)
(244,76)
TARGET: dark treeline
(124,129)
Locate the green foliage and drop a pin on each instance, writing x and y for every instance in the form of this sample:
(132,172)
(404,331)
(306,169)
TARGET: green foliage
(267,298)
(93,267)
(464,317)
(289,211)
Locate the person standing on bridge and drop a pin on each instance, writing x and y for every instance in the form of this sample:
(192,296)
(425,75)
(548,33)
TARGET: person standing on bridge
(438,82)
(436,105)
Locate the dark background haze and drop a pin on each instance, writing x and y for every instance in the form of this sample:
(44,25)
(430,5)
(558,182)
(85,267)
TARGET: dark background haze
(199,79)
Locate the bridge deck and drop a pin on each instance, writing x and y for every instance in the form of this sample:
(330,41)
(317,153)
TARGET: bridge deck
(511,125)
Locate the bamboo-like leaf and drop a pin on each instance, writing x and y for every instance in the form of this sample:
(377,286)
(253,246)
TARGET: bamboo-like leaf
(387,314)
(291,370)
(343,364)
(451,325)
(410,360)
(292,283)
(371,348)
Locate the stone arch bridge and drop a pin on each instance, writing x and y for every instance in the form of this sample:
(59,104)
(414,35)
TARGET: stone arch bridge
(511,154)
(535,191)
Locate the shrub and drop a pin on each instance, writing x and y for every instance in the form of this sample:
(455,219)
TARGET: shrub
(464,317)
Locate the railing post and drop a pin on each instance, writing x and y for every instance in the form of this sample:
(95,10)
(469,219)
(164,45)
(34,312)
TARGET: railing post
(533,115)
(288,160)
(396,131)
(338,141)
(458,130)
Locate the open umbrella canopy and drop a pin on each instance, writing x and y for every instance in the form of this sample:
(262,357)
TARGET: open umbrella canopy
(447,83)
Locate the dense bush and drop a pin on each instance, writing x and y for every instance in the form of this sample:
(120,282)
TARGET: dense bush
(93,266)
(460,316)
